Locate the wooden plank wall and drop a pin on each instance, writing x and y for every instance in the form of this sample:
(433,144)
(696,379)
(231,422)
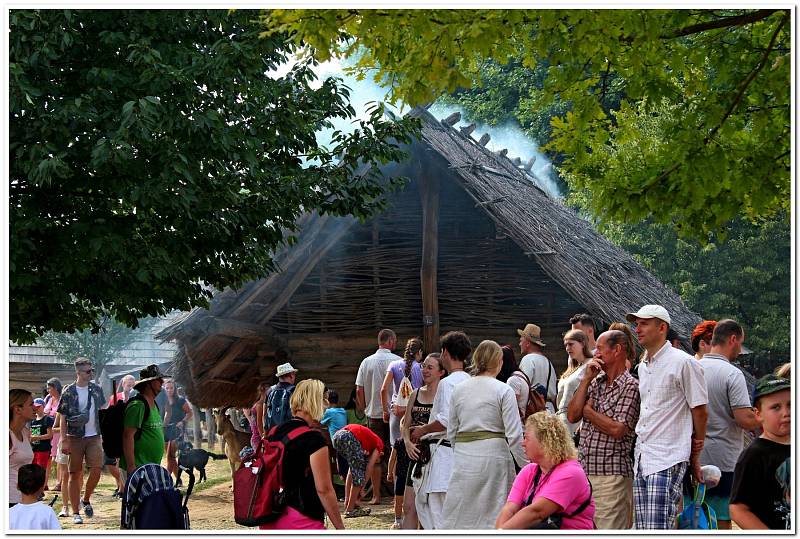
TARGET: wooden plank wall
(34,376)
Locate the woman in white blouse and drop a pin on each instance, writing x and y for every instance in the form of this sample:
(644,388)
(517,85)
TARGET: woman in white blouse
(576,344)
(20,404)
(486,433)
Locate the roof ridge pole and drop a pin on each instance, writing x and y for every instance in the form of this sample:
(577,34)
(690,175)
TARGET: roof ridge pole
(429,195)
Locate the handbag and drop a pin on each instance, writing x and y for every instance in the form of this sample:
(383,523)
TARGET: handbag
(555,520)
(80,419)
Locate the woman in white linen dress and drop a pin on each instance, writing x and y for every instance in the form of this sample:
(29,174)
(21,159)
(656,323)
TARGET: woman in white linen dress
(486,432)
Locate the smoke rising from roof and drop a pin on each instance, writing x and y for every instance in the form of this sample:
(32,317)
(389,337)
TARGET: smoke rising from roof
(362,92)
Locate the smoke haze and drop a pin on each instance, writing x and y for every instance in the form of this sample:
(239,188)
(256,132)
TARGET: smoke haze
(509,135)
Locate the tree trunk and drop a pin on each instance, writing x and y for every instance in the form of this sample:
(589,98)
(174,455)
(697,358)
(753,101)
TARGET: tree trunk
(212,429)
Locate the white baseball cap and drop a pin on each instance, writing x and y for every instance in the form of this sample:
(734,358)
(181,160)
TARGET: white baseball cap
(650,311)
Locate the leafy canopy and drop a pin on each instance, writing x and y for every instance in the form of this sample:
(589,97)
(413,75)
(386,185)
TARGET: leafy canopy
(701,135)
(152,158)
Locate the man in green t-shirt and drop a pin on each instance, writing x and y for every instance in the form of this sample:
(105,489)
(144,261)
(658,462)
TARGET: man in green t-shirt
(149,447)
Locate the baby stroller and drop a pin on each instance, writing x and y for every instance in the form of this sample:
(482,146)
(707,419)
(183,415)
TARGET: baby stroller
(151,501)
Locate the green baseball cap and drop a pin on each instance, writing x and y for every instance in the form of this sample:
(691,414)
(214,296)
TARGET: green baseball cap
(770,384)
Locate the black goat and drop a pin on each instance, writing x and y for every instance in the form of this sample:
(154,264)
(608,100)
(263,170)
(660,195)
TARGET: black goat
(190,459)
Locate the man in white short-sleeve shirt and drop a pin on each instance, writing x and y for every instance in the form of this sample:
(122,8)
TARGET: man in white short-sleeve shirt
(535,364)
(672,421)
(432,489)
(730,413)
(368,398)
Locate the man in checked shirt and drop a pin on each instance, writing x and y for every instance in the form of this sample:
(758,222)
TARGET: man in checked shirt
(607,400)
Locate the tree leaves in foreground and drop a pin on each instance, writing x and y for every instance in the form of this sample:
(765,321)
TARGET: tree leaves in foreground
(152,158)
(701,136)
(101,345)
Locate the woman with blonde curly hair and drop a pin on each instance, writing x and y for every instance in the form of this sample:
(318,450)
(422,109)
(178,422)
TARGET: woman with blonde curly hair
(552,492)
(485,431)
(309,496)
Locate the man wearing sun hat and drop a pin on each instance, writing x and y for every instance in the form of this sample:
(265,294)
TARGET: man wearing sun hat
(277,398)
(672,421)
(535,364)
(143,432)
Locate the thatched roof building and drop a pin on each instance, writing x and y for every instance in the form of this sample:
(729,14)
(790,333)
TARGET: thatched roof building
(470,243)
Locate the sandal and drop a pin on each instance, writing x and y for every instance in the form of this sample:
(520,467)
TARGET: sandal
(57,488)
(357,512)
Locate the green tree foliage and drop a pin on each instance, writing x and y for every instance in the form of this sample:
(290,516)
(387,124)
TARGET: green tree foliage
(746,277)
(152,158)
(700,136)
(101,345)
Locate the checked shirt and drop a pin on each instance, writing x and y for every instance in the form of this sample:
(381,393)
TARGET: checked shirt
(601,454)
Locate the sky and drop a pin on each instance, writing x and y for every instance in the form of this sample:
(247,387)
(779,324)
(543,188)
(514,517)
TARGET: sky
(509,135)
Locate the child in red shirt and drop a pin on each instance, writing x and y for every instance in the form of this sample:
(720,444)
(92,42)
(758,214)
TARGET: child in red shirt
(361,448)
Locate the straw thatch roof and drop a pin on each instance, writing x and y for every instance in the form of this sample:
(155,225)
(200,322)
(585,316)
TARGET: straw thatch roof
(597,273)
(224,350)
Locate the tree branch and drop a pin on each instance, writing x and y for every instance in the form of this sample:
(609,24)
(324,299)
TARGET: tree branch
(739,20)
(605,80)
(749,79)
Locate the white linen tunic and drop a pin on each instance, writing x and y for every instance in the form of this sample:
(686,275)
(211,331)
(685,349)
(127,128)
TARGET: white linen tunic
(483,470)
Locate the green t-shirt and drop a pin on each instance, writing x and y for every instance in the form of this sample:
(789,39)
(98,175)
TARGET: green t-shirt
(149,449)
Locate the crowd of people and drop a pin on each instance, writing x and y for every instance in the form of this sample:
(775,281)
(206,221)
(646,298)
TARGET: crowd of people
(466,437)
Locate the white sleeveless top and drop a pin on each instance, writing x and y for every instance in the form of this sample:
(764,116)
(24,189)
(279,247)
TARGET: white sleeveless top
(19,454)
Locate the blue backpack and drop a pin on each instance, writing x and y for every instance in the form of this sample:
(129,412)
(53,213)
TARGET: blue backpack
(696,514)
(278,410)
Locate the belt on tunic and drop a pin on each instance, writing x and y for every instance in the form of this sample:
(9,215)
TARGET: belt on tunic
(465,437)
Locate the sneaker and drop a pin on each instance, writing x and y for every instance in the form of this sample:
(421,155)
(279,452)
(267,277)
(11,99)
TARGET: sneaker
(63,513)
(76,519)
(396,526)
(87,509)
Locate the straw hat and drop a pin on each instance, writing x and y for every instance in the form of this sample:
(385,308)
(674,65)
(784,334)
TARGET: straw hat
(284,369)
(151,372)
(533,333)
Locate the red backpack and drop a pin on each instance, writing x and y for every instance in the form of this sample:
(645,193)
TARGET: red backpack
(258,490)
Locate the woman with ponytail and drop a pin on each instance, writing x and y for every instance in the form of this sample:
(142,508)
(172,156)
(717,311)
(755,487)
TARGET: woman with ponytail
(407,376)
(408,367)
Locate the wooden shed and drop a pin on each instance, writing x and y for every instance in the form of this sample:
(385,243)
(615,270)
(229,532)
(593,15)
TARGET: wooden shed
(470,243)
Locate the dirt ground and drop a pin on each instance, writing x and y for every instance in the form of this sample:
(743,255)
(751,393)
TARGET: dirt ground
(210,506)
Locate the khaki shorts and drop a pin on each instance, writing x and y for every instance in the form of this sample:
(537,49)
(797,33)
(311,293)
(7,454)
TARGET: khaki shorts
(90,449)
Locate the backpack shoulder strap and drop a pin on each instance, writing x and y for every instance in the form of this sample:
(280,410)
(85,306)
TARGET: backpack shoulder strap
(521,374)
(536,478)
(146,415)
(295,432)
(584,505)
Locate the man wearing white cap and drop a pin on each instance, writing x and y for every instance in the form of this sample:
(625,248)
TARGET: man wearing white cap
(535,364)
(672,421)
(277,398)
